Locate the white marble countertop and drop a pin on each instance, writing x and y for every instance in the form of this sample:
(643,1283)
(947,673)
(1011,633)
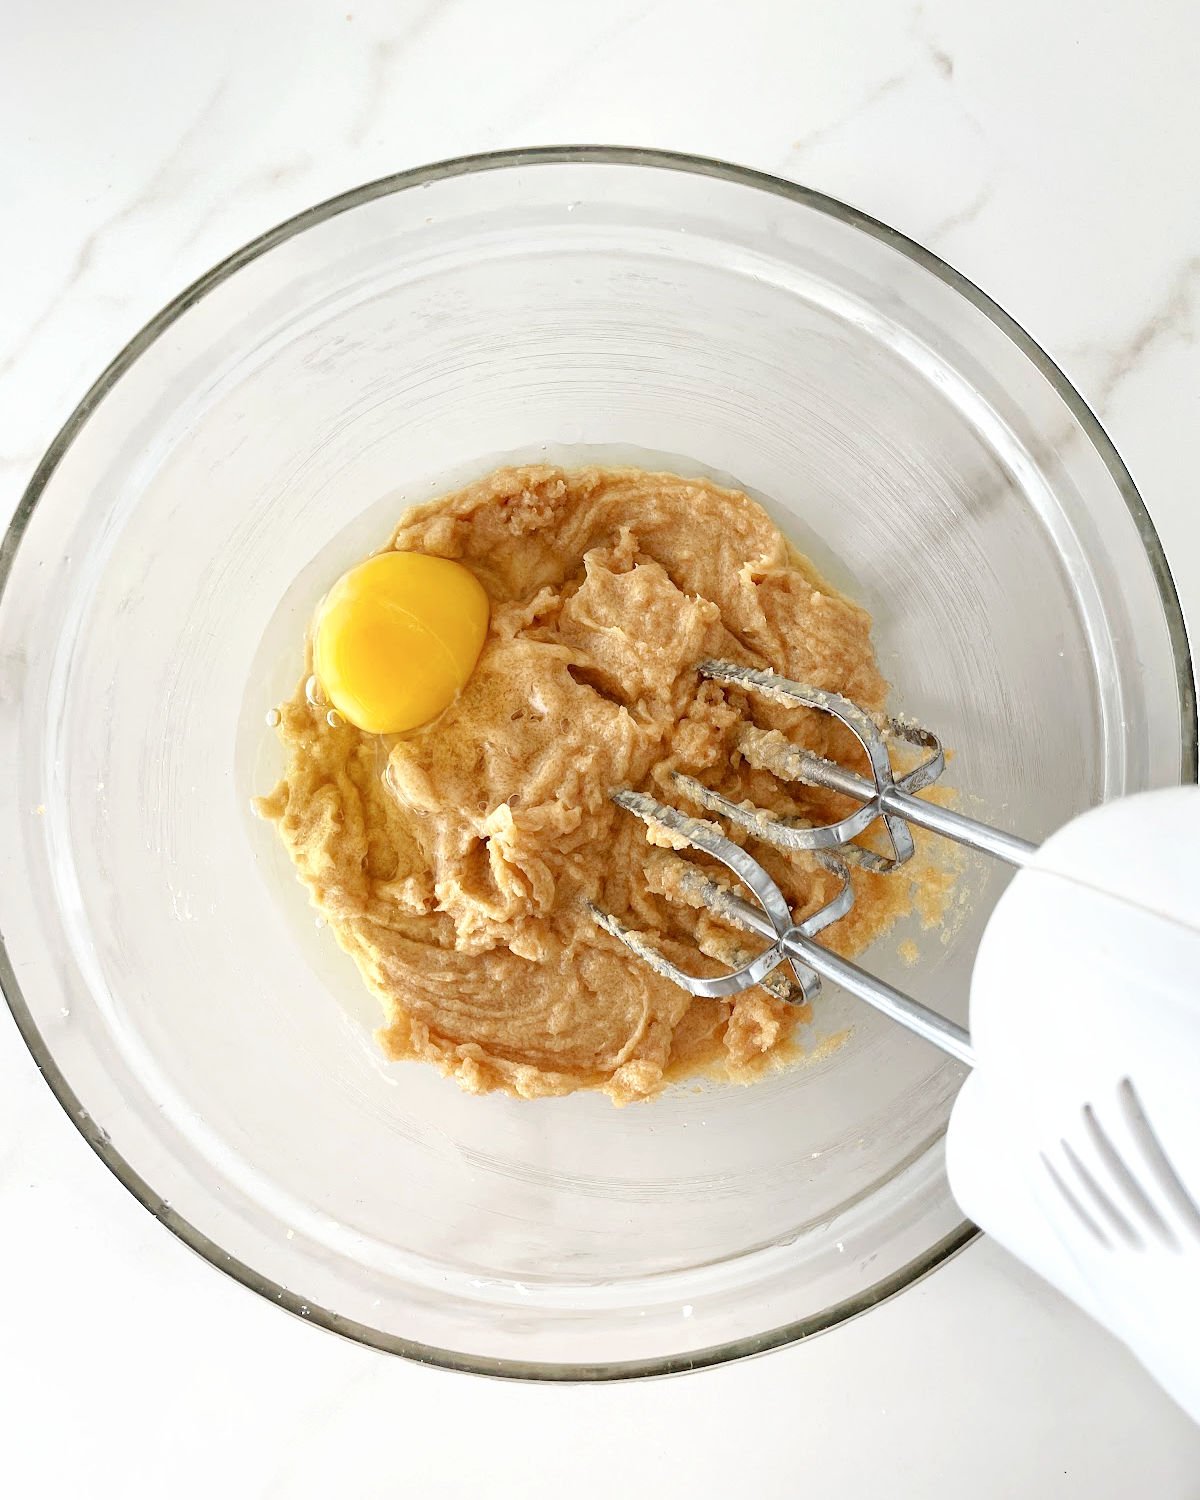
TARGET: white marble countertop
(1052,153)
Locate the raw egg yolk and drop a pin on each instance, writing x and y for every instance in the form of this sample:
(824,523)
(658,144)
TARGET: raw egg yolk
(397,637)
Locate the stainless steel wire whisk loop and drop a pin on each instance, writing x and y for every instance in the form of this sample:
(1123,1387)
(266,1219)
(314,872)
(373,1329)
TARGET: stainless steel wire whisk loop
(888,798)
(885,797)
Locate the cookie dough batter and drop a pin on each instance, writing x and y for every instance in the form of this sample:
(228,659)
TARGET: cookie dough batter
(455,864)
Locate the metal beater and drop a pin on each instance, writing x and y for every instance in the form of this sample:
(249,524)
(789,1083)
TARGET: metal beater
(891,799)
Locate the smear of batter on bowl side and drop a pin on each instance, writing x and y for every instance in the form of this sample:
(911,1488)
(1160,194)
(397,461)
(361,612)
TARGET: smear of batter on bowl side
(455,864)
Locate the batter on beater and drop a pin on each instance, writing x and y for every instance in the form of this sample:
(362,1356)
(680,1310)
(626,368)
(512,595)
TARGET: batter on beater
(455,862)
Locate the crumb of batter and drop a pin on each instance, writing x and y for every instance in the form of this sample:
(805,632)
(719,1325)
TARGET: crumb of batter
(455,864)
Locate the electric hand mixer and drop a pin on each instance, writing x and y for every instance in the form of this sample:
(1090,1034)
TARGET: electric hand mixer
(1076,1139)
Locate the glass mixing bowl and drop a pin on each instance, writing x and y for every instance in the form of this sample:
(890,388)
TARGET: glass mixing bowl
(264,432)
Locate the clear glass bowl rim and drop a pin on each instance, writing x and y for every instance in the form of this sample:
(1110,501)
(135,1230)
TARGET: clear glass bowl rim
(397,182)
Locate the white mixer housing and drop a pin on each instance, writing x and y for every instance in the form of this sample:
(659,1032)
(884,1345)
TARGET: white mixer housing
(1076,1140)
